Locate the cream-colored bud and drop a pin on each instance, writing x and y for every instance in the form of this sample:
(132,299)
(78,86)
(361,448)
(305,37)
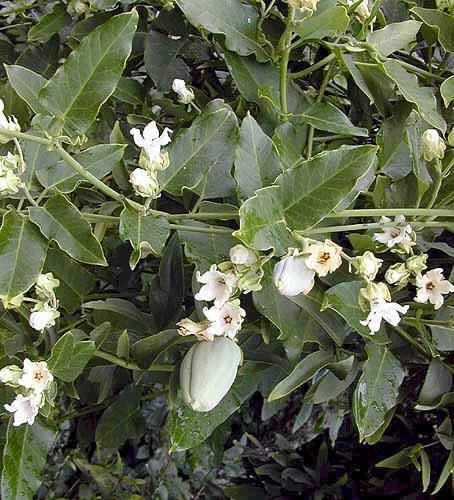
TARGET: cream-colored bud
(397,274)
(433,146)
(367,265)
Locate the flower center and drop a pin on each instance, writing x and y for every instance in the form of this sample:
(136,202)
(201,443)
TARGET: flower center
(38,376)
(228,319)
(395,232)
(323,258)
(430,286)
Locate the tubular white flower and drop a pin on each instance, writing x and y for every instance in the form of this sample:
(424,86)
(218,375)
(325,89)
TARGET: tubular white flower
(291,275)
(7,123)
(401,234)
(145,183)
(380,310)
(185,95)
(324,257)
(152,142)
(43,316)
(431,287)
(10,375)
(225,320)
(36,376)
(24,408)
(368,265)
(45,285)
(433,145)
(242,256)
(217,286)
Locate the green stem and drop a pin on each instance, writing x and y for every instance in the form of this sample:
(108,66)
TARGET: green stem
(437,185)
(314,67)
(285,47)
(326,138)
(377,212)
(195,229)
(422,72)
(130,365)
(408,338)
(365,226)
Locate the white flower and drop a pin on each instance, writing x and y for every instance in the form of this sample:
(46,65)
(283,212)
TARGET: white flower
(10,375)
(324,257)
(185,95)
(431,287)
(151,142)
(45,285)
(362,11)
(43,316)
(433,146)
(292,276)
(374,291)
(368,265)
(225,320)
(145,183)
(397,274)
(188,327)
(36,376)
(303,5)
(25,409)
(10,183)
(383,310)
(400,234)
(7,123)
(242,256)
(217,286)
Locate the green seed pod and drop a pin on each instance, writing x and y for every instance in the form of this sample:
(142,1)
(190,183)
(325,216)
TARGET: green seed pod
(208,371)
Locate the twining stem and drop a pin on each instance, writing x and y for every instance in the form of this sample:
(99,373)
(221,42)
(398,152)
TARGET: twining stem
(314,67)
(408,338)
(195,229)
(285,47)
(130,365)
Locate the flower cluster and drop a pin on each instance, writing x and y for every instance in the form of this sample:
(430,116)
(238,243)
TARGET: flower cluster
(295,273)
(145,179)
(222,284)
(34,386)
(10,169)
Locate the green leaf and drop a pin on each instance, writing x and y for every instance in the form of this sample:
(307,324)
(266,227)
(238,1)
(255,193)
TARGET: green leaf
(443,23)
(447,91)
(76,282)
(69,357)
(90,74)
(98,160)
(147,234)
(61,221)
(49,24)
(256,159)
(22,254)
(401,458)
(327,24)
(24,458)
(448,469)
(123,348)
(437,383)
(204,250)
(232,18)
(425,469)
(324,182)
(325,116)
(422,97)
(147,350)
(201,157)
(442,336)
(377,389)
(27,84)
(164,61)
(301,374)
(121,420)
(130,91)
(394,36)
(189,428)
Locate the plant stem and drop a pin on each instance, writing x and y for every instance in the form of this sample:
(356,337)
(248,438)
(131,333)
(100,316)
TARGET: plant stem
(365,226)
(314,67)
(129,365)
(377,212)
(285,47)
(437,184)
(194,229)
(408,338)
(422,72)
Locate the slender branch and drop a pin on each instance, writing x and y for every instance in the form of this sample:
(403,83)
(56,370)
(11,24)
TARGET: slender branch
(314,67)
(377,212)
(285,47)
(195,229)
(408,338)
(130,365)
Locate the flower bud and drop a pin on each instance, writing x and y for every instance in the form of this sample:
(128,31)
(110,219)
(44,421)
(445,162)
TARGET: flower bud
(185,95)
(371,293)
(10,375)
(45,285)
(304,5)
(417,264)
(292,276)
(144,183)
(433,145)
(242,256)
(7,123)
(397,274)
(367,265)
(362,11)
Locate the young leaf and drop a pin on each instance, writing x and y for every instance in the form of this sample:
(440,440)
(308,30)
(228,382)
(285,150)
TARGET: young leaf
(147,233)
(394,36)
(22,254)
(61,221)
(49,24)
(27,84)
(201,157)
(323,183)
(442,22)
(448,469)
(69,357)
(24,458)
(256,159)
(232,18)
(327,24)
(90,74)
(145,351)
(437,383)
(447,91)
(377,389)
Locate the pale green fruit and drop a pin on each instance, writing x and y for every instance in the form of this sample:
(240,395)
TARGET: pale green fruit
(208,371)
